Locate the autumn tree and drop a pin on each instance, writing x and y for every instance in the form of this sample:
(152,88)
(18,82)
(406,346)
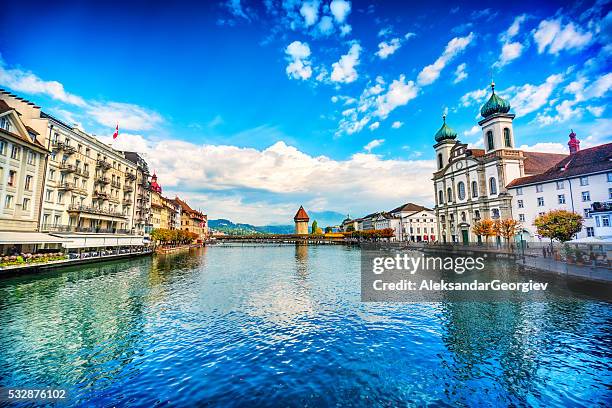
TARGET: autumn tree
(561,225)
(484,228)
(506,229)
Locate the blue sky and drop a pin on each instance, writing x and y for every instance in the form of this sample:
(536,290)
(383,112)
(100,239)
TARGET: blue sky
(251,108)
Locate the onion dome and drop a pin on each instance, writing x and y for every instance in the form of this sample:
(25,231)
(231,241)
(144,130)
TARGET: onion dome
(494,105)
(445,132)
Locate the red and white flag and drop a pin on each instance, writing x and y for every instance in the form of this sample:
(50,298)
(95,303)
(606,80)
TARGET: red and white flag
(116,132)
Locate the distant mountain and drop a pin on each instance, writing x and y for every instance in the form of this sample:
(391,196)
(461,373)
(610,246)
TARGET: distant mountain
(324,219)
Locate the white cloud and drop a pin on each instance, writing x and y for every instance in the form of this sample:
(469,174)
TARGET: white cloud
(510,52)
(596,111)
(326,25)
(216,176)
(344,70)
(128,116)
(345,30)
(373,144)
(25,81)
(397,124)
(310,12)
(340,9)
(430,73)
(299,64)
(385,31)
(545,147)
(552,37)
(514,29)
(374,126)
(460,73)
(399,94)
(472,131)
(528,98)
(474,97)
(388,48)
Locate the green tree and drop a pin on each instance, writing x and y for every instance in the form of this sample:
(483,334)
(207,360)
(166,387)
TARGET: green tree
(315,227)
(328,229)
(561,225)
(350,228)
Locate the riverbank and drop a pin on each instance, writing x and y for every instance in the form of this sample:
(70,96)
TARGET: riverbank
(41,267)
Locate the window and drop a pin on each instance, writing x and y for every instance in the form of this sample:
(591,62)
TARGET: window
(597,224)
(519,191)
(474,189)
(520,204)
(60,197)
(492,186)
(51,174)
(461,190)
(477,214)
(15,152)
(463,216)
(522,217)
(46,219)
(28,182)
(8,201)
(26,204)
(587,213)
(11,178)
(586,196)
(605,221)
(610,193)
(539,188)
(540,201)
(490,143)
(494,213)
(584,181)
(507,139)
(590,232)
(561,198)
(31,158)
(49,195)
(449,195)
(609,176)
(440,163)
(56,220)
(560,185)
(3,151)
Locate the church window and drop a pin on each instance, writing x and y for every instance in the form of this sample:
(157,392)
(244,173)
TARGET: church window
(461,190)
(507,140)
(474,189)
(449,195)
(440,164)
(492,186)
(490,142)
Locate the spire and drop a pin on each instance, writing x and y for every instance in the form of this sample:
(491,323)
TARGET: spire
(574,143)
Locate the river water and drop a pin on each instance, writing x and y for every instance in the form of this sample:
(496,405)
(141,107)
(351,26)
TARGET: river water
(285,326)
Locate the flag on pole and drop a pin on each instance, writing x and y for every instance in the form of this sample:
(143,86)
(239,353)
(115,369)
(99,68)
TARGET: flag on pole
(116,132)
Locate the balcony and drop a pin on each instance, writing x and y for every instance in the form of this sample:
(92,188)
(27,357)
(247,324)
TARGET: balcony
(66,186)
(103,164)
(127,201)
(102,180)
(100,195)
(130,176)
(81,172)
(67,168)
(128,188)
(115,200)
(72,228)
(116,184)
(57,145)
(68,149)
(95,210)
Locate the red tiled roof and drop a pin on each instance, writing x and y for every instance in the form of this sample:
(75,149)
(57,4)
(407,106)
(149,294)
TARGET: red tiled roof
(536,162)
(477,152)
(187,209)
(301,215)
(587,161)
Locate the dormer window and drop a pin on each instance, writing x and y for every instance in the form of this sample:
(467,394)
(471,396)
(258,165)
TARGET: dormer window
(490,142)
(5,124)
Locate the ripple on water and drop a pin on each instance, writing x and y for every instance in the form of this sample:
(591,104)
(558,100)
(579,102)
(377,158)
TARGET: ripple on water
(284,326)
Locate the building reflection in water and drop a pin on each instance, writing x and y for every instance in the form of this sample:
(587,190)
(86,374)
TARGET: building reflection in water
(301,259)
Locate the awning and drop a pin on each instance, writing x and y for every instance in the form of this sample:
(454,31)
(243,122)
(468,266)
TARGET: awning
(14,238)
(85,240)
(592,240)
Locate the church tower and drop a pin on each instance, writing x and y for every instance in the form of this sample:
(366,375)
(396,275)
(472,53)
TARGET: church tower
(496,126)
(445,140)
(301,222)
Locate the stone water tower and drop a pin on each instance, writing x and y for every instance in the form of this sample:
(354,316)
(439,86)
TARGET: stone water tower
(301,222)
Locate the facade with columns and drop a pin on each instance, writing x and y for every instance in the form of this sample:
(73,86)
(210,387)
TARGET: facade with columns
(471,184)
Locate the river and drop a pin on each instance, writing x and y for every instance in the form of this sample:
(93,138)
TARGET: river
(285,326)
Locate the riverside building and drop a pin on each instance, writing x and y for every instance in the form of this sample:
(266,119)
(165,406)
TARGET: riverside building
(472,184)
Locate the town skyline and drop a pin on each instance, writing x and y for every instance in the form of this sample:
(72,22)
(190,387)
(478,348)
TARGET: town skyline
(314,105)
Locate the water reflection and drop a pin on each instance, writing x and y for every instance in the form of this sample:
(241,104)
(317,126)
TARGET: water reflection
(235,326)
